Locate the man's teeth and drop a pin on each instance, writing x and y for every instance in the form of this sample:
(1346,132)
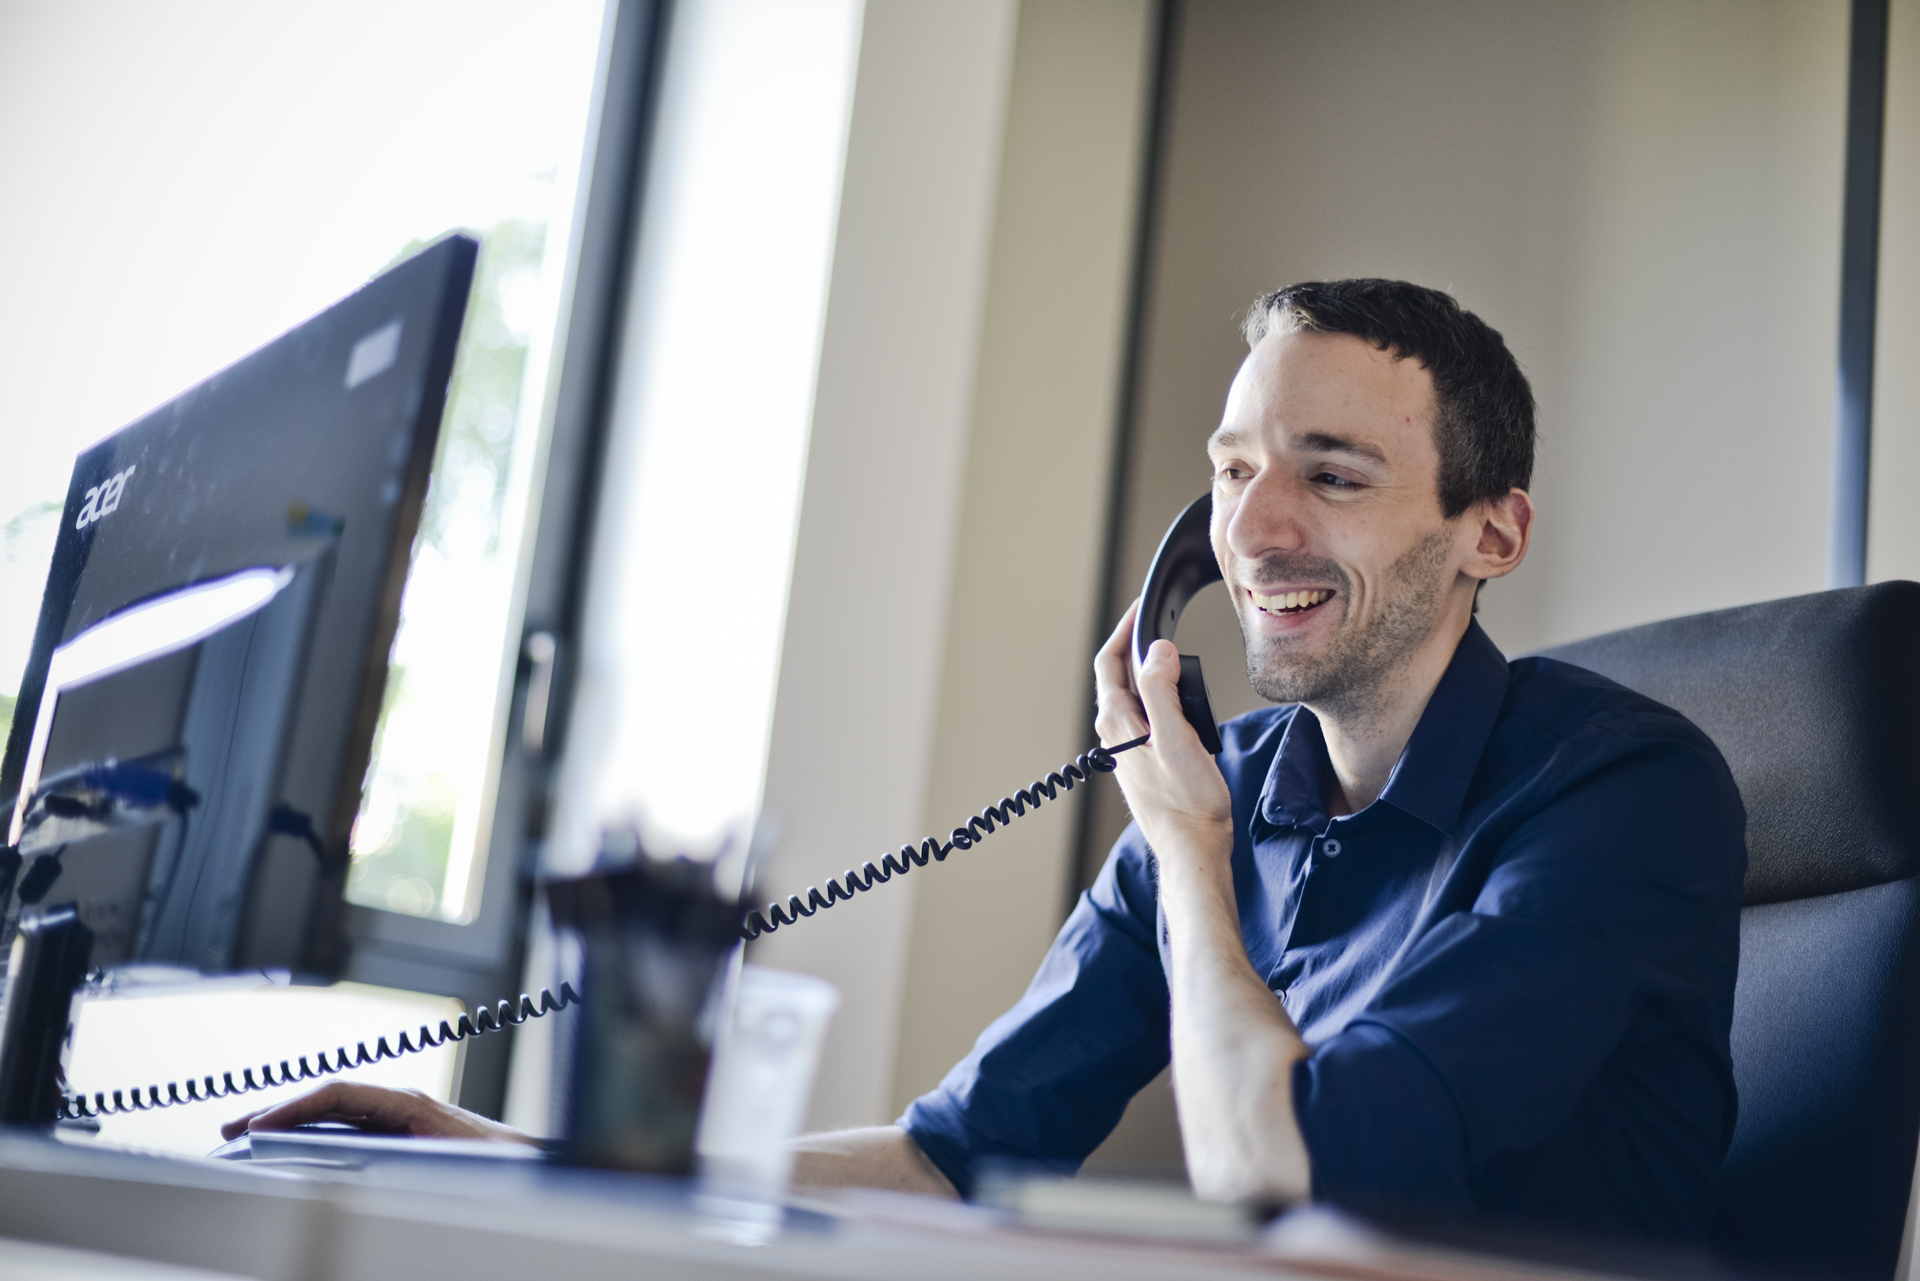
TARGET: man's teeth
(1289,600)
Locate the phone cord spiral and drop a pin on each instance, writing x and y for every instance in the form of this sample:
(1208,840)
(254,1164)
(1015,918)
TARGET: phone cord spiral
(81,1107)
(972,832)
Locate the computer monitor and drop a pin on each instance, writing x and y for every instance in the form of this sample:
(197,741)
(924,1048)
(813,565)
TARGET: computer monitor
(195,721)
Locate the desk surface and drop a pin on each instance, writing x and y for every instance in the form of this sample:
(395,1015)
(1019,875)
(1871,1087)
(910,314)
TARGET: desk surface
(521,1219)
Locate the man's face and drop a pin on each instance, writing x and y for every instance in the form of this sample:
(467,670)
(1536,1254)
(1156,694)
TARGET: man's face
(1327,519)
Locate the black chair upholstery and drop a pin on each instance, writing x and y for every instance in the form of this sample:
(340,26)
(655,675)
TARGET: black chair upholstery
(1815,702)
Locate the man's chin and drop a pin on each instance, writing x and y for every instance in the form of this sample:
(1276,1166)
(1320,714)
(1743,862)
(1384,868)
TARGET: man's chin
(1292,677)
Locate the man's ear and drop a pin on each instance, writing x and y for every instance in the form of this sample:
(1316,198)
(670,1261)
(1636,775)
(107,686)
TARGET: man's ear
(1505,531)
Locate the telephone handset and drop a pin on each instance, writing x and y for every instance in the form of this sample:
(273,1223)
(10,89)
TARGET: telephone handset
(1183,565)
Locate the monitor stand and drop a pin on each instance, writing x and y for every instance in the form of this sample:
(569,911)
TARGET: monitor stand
(50,958)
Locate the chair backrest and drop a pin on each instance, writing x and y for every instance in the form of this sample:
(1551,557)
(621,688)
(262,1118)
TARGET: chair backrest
(1815,702)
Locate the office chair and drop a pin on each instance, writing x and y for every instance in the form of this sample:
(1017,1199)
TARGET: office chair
(1815,701)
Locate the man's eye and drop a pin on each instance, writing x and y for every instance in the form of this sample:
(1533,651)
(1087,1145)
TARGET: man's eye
(1229,471)
(1332,481)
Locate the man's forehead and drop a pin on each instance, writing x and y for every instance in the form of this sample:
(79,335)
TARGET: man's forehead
(1359,444)
(1324,392)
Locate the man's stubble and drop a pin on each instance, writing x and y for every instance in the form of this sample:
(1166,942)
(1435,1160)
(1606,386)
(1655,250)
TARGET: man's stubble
(1350,675)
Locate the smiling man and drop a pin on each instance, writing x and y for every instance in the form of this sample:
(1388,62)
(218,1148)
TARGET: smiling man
(1441,933)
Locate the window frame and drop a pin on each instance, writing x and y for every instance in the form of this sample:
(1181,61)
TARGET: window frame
(481,961)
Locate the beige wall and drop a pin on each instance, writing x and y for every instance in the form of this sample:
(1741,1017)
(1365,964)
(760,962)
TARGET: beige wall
(1893,532)
(951,530)
(853,726)
(1015,678)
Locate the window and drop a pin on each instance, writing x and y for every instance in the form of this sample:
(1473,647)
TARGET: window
(189,181)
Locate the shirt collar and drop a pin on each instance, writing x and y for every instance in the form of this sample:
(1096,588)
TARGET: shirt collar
(1431,777)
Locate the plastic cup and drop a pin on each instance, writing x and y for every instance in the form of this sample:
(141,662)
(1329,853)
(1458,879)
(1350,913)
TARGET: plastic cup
(762,1078)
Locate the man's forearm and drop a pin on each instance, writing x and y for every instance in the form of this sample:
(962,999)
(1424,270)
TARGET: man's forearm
(879,1156)
(1233,1045)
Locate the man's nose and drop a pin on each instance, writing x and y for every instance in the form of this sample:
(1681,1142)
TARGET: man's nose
(1266,519)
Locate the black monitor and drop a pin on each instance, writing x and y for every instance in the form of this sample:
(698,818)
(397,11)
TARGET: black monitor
(196,718)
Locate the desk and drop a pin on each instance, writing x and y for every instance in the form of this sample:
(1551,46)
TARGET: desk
(522,1220)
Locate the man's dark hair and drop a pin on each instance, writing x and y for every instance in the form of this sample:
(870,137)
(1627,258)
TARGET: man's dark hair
(1483,410)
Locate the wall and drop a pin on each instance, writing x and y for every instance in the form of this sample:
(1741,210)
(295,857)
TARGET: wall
(852,739)
(952,528)
(1644,197)
(1893,531)
(1015,681)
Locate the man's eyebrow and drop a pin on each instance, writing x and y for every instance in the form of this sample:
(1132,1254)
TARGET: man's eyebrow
(1225,438)
(1320,442)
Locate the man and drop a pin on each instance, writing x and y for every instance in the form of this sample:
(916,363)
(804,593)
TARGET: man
(1447,933)
(1441,932)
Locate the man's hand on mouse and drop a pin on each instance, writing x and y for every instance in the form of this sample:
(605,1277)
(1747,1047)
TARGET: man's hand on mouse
(377,1109)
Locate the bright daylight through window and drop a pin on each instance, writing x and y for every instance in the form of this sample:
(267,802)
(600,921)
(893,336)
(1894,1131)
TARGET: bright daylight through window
(190,180)
(204,176)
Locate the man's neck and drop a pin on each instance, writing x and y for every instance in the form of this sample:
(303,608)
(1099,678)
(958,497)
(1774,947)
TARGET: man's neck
(1366,736)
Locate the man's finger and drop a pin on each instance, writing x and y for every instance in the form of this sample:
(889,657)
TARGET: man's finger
(1117,712)
(370,1107)
(1160,695)
(238,1126)
(1113,662)
(376,1108)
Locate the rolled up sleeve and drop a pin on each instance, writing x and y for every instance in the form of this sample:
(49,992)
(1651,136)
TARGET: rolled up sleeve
(1048,1080)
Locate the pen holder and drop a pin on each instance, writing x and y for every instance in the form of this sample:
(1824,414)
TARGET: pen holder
(655,936)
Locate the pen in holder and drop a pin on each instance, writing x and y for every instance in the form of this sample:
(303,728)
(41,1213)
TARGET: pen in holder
(655,937)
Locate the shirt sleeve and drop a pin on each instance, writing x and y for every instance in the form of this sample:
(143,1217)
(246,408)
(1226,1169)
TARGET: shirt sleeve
(1049,1079)
(1588,929)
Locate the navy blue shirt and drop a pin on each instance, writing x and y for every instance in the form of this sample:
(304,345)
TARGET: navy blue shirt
(1515,968)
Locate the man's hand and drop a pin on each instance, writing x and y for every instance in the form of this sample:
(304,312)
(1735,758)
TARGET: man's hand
(1233,1045)
(375,1108)
(1173,788)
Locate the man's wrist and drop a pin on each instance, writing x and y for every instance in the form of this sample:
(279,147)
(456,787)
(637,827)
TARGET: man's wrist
(1194,860)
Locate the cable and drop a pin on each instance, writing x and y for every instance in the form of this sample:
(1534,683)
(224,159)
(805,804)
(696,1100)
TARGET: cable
(133,784)
(75,1107)
(1084,767)
(288,821)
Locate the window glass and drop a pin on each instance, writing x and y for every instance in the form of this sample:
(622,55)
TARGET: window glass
(187,181)
(670,719)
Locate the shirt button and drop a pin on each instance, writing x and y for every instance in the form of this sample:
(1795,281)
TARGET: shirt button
(1330,847)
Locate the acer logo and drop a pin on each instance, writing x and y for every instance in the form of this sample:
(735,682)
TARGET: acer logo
(102,499)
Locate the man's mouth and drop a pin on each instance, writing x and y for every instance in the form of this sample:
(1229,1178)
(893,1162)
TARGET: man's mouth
(1290,602)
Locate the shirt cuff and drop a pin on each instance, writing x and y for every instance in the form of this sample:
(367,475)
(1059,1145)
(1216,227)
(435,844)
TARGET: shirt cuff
(948,1154)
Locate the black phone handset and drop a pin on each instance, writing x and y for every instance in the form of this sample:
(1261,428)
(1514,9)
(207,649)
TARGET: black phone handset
(1183,565)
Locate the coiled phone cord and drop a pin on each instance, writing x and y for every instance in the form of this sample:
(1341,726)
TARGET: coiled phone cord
(77,1107)
(1097,761)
